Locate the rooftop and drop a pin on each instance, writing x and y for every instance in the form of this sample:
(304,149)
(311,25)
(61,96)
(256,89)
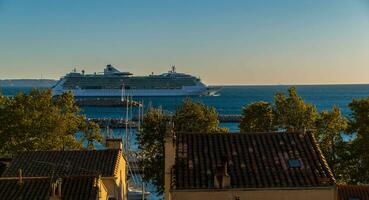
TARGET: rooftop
(254,160)
(77,188)
(353,192)
(65,163)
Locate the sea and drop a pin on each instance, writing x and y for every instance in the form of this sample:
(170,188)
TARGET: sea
(231,100)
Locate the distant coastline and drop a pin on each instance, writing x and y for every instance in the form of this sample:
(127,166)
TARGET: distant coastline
(39,83)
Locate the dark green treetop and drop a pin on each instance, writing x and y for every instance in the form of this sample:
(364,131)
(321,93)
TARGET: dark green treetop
(36,121)
(359,128)
(195,117)
(292,113)
(330,125)
(257,117)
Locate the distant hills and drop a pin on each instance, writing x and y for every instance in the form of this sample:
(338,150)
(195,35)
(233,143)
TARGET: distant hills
(43,83)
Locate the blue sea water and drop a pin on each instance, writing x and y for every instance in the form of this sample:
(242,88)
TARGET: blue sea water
(231,99)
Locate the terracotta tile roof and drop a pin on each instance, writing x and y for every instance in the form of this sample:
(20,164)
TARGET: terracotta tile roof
(72,188)
(65,163)
(359,192)
(255,160)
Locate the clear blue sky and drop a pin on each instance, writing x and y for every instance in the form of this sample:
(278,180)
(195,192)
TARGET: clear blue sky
(223,42)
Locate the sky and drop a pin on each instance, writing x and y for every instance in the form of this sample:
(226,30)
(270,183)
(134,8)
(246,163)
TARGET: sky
(228,42)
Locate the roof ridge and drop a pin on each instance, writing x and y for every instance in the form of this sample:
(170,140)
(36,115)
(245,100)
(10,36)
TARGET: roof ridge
(321,157)
(45,177)
(117,163)
(71,150)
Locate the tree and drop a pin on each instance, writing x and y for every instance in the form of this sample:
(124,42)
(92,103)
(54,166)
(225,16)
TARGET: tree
(3,104)
(292,113)
(150,140)
(2,100)
(90,134)
(330,125)
(38,122)
(359,128)
(257,117)
(194,117)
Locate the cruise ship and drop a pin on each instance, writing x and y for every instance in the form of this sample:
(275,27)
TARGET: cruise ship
(114,83)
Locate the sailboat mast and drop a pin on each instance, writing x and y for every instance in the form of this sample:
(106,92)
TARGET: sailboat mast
(126,123)
(122,93)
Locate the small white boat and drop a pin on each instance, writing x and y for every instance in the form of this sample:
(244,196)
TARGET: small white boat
(136,193)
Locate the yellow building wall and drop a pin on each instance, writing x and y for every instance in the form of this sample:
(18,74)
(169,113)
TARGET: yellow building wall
(122,178)
(110,187)
(307,194)
(103,193)
(117,186)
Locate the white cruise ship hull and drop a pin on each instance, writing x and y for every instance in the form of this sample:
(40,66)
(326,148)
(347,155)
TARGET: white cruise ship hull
(185,91)
(110,84)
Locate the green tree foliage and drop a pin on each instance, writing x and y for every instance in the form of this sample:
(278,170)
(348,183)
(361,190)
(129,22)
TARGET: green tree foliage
(330,125)
(359,127)
(39,122)
(194,117)
(292,113)
(2,100)
(289,113)
(90,134)
(151,144)
(257,117)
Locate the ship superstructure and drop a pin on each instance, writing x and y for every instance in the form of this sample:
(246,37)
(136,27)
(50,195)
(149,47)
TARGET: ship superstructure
(112,82)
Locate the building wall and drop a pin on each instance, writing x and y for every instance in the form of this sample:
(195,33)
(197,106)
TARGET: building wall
(111,186)
(169,155)
(122,179)
(117,186)
(307,194)
(103,193)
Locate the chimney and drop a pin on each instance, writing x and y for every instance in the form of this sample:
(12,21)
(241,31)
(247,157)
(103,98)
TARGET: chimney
(56,190)
(112,143)
(169,159)
(221,177)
